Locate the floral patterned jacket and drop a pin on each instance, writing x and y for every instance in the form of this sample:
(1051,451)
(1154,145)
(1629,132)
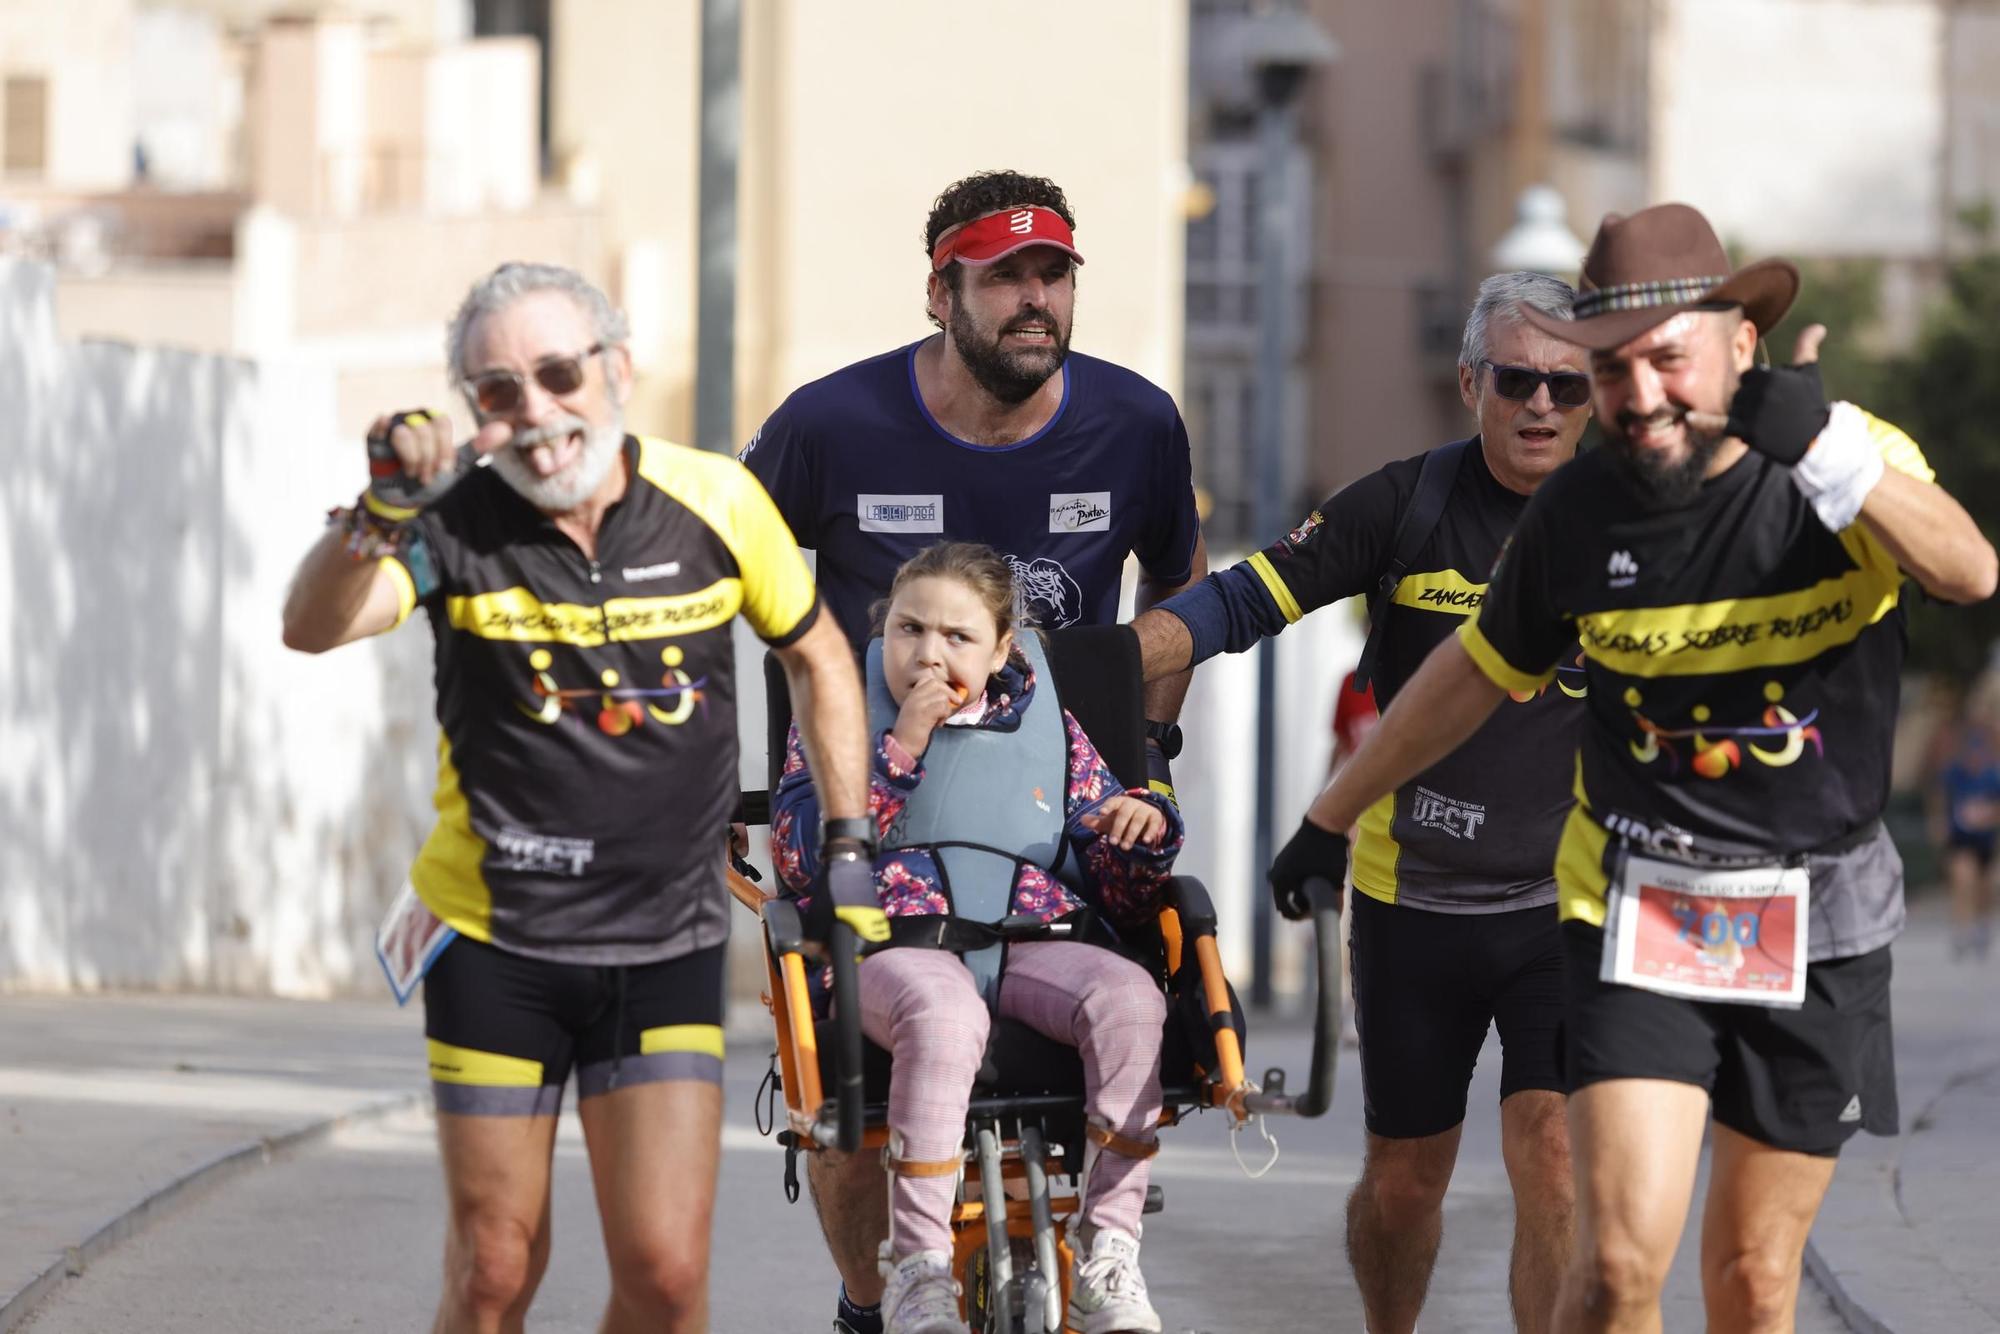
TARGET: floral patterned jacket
(1124,885)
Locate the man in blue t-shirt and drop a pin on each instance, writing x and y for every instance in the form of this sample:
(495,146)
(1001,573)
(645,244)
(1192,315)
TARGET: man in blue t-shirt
(993,431)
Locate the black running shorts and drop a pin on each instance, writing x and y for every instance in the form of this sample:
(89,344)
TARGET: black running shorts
(1803,1080)
(505,1030)
(1427,985)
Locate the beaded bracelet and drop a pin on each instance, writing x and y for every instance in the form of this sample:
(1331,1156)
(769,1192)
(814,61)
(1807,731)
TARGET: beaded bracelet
(367,535)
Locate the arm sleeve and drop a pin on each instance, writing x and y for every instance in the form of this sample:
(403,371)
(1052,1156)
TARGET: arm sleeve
(1166,544)
(779,599)
(1126,883)
(1520,632)
(779,457)
(1337,552)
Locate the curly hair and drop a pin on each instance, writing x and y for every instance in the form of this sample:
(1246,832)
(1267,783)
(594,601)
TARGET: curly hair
(980,194)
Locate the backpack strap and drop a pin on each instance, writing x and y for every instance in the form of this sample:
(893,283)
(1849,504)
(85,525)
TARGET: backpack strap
(1419,521)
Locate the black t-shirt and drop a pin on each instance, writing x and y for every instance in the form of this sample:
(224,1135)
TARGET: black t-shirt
(867,478)
(587,767)
(1477,831)
(1743,661)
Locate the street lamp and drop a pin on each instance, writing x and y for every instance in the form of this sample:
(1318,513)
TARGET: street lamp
(1280,48)
(1540,240)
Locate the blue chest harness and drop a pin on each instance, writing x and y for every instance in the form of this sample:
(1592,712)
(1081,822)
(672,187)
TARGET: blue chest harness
(991,801)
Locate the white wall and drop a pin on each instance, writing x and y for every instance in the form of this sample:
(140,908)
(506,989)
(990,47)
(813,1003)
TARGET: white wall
(183,803)
(1802,127)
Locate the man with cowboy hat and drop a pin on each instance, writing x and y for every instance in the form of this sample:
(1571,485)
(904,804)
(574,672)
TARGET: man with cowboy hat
(1732,562)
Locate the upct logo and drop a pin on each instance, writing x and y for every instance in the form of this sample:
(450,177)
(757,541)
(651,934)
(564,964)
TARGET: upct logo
(1622,569)
(1021,222)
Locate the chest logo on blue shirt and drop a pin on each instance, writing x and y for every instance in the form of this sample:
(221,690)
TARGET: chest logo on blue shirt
(1080,512)
(900,514)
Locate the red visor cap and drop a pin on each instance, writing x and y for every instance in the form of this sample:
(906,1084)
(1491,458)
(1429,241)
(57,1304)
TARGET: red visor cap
(998,235)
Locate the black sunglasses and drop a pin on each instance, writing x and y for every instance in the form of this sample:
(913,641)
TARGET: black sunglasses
(500,392)
(1568,389)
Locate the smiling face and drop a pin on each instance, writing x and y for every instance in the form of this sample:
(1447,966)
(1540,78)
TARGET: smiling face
(1644,389)
(1524,440)
(563,448)
(1009,321)
(940,627)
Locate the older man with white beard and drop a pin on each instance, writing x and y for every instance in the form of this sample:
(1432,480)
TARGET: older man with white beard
(568,910)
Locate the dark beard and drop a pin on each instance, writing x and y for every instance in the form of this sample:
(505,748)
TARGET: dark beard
(1011,377)
(1664,485)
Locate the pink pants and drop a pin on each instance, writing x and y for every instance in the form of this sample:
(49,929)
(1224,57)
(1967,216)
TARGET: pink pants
(921,1005)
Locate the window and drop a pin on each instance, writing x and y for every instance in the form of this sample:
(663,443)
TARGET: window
(25,116)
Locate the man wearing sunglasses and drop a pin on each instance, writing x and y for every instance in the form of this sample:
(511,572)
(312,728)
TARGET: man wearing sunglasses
(1453,917)
(1734,561)
(568,910)
(992,430)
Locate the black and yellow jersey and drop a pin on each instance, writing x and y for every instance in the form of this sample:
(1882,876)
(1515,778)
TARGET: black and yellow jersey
(1477,831)
(587,762)
(1744,666)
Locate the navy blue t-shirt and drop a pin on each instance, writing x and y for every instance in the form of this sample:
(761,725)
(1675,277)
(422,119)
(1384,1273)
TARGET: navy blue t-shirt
(866,477)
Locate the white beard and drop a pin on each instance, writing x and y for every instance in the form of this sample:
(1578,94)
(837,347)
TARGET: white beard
(563,491)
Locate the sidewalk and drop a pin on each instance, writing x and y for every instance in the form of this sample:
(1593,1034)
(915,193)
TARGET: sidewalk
(1908,1237)
(115,1109)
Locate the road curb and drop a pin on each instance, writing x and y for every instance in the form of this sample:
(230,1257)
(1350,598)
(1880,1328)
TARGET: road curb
(183,1189)
(1852,1313)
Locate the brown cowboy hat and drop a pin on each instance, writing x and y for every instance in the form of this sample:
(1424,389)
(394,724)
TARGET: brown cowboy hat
(1644,269)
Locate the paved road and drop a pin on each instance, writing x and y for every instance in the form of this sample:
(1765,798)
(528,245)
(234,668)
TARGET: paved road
(342,1236)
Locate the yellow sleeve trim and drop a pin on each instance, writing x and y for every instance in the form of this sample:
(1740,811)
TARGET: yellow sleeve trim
(1498,670)
(778,591)
(1281,595)
(703,1038)
(1898,450)
(406,588)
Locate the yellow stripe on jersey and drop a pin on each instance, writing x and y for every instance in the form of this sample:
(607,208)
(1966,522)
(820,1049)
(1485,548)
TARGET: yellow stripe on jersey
(406,588)
(518,615)
(1742,634)
(777,591)
(1580,878)
(705,1039)
(1376,851)
(447,874)
(1440,590)
(1498,670)
(488,1069)
(1275,586)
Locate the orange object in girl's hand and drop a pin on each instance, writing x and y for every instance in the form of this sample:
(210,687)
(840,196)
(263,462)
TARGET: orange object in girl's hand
(959,693)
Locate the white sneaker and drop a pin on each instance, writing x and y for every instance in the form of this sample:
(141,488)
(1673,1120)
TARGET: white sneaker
(922,1296)
(1107,1295)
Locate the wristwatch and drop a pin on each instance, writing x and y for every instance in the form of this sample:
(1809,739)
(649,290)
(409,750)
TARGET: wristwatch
(858,829)
(1168,735)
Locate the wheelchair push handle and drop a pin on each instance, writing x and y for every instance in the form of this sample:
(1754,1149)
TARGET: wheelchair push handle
(1324,896)
(849,1109)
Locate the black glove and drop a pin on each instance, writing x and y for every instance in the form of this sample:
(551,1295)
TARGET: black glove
(1159,773)
(1779,411)
(847,881)
(1312,854)
(392,493)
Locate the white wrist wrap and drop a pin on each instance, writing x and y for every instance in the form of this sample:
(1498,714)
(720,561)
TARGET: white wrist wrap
(1840,468)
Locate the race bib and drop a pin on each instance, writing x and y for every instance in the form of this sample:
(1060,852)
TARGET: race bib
(1736,935)
(409,941)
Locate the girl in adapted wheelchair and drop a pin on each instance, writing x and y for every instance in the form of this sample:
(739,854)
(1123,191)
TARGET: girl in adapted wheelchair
(991,803)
